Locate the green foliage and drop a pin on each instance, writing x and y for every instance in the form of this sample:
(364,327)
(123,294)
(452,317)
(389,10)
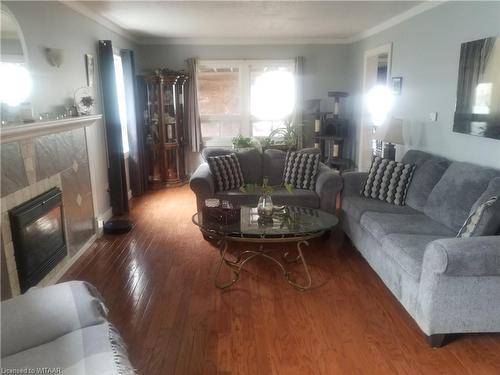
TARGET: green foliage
(289,188)
(242,142)
(265,188)
(285,136)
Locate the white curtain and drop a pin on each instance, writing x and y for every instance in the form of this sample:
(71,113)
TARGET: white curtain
(193,113)
(297,116)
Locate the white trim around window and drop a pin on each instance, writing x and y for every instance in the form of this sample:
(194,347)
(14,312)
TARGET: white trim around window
(244,118)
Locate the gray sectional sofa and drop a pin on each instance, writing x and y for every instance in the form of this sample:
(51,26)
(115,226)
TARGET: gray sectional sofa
(63,329)
(271,163)
(447,284)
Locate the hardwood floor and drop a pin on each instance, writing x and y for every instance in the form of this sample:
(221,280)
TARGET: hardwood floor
(158,283)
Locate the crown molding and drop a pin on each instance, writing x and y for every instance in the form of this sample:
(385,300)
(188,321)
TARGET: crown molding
(396,20)
(239,41)
(391,22)
(84,11)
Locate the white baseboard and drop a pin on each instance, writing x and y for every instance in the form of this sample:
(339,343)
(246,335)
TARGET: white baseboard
(101,219)
(106,215)
(66,267)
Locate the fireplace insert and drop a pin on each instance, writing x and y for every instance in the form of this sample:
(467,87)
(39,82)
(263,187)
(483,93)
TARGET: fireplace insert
(38,237)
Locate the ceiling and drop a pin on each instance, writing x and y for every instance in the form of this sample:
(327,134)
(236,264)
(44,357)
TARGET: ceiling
(191,21)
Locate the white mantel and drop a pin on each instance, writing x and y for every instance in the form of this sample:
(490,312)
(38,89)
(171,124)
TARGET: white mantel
(13,133)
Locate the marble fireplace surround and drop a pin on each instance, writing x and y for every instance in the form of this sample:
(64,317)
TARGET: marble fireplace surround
(35,158)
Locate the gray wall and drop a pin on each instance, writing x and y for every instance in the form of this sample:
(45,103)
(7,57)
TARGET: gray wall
(426,51)
(52,24)
(325,67)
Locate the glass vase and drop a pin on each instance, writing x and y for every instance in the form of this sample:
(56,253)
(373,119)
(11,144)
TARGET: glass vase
(265,206)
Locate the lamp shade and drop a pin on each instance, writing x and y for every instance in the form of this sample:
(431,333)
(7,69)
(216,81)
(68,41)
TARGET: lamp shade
(391,132)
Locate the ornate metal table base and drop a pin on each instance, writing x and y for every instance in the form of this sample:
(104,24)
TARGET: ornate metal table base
(243,257)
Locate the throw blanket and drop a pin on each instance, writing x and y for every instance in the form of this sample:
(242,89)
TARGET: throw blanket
(62,328)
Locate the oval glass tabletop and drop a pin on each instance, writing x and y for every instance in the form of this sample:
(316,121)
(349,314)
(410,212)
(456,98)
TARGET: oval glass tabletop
(290,221)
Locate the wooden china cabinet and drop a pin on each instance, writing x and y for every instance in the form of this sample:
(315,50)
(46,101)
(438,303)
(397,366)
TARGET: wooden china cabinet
(165,128)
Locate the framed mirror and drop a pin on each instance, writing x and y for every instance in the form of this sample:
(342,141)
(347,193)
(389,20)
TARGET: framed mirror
(477,110)
(15,90)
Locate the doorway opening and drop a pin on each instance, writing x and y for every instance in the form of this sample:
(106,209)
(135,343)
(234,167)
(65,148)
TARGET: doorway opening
(376,73)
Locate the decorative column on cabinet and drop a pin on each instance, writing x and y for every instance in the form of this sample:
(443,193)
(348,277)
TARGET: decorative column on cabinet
(154,130)
(165,128)
(181,122)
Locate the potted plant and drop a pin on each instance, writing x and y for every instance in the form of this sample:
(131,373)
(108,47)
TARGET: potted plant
(243,143)
(284,138)
(240,142)
(265,206)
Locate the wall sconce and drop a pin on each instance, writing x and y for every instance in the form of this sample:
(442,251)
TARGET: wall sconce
(55,56)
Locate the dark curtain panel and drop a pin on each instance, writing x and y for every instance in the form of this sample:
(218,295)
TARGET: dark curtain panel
(116,163)
(136,152)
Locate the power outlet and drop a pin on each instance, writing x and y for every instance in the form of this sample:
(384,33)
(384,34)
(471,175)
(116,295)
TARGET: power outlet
(433,116)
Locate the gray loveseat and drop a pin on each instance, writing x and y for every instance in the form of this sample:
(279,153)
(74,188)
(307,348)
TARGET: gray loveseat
(447,284)
(62,327)
(271,163)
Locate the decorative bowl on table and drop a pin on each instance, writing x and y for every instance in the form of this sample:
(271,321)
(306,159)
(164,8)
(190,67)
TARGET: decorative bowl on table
(221,212)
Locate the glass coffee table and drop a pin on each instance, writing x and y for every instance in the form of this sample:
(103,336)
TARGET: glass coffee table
(287,224)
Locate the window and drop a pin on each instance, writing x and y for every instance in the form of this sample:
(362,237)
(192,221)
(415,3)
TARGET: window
(219,101)
(272,97)
(246,97)
(122,103)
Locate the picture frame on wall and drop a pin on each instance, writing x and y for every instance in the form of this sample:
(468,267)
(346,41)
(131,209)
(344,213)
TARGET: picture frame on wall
(89,64)
(397,85)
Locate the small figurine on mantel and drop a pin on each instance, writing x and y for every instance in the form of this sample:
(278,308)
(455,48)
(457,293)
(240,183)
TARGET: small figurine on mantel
(73,111)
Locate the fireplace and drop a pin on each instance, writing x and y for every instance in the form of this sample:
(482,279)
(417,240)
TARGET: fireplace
(38,237)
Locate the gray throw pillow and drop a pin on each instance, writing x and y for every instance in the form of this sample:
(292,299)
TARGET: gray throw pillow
(484,221)
(493,190)
(388,181)
(301,170)
(226,171)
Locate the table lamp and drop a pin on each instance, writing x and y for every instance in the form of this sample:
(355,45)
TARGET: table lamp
(391,133)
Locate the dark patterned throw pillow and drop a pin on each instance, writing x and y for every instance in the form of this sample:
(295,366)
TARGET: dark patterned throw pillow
(301,170)
(226,171)
(484,221)
(388,181)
